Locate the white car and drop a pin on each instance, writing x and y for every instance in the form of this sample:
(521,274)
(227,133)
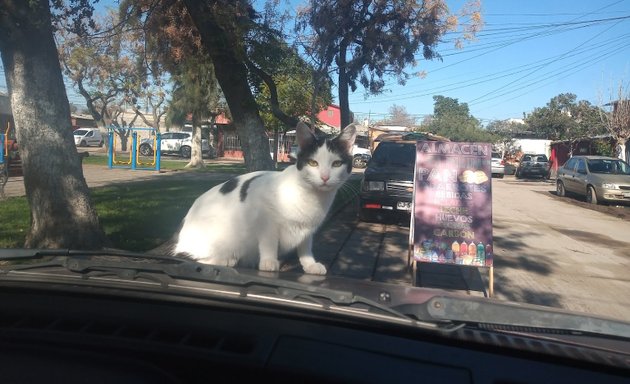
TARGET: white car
(84,137)
(498,165)
(178,143)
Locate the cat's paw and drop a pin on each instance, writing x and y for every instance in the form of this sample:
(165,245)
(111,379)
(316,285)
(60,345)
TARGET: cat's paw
(269,265)
(315,269)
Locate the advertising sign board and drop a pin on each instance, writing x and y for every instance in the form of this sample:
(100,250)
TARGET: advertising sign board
(452,209)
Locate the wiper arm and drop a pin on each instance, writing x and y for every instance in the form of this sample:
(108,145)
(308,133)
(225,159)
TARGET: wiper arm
(517,316)
(131,266)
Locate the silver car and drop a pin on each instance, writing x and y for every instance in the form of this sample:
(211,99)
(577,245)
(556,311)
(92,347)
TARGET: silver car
(599,178)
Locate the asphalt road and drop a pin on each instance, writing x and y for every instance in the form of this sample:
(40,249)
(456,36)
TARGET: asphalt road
(560,252)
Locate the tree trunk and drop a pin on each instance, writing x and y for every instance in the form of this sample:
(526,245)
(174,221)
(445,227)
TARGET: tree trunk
(61,212)
(344,104)
(231,73)
(196,157)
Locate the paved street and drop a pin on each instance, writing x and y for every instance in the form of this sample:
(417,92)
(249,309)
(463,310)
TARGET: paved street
(548,250)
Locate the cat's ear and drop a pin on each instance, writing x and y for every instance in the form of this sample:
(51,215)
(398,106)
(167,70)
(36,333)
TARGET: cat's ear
(304,135)
(347,136)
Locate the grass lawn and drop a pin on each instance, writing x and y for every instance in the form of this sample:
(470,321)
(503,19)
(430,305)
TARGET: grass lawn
(135,216)
(166,163)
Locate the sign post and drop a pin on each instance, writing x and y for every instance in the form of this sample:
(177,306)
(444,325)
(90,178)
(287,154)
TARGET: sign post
(452,208)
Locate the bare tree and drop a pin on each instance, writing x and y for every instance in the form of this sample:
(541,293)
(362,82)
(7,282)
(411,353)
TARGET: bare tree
(617,121)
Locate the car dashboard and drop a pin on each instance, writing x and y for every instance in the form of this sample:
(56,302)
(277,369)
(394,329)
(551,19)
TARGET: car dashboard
(67,335)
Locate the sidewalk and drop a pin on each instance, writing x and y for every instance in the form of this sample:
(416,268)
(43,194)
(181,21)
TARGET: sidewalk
(99,176)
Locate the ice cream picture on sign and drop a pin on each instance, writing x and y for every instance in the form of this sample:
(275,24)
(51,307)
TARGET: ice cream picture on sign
(452,221)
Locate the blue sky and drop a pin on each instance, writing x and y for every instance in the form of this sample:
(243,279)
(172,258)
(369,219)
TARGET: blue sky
(527,53)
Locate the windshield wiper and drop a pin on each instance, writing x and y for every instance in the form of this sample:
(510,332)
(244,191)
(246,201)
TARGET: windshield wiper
(167,269)
(513,316)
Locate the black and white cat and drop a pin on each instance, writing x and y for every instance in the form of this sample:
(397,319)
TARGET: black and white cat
(258,216)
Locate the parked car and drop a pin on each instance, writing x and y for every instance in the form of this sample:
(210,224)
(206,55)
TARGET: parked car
(177,143)
(293,153)
(84,137)
(387,184)
(533,165)
(360,156)
(600,179)
(498,165)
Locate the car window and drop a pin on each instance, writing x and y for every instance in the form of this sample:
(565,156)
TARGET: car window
(80,132)
(541,158)
(570,164)
(526,158)
(581,166)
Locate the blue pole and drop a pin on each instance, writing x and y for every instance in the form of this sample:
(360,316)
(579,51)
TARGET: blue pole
(158,149)
(134,140)
(1,148)
(110,150)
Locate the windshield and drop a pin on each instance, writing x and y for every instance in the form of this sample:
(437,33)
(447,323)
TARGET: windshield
(395,154)
(617,167)
(518,81)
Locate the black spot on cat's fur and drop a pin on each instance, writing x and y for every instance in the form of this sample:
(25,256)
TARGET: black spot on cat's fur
(306,153)
(245,187)
(335,146)
(229,186)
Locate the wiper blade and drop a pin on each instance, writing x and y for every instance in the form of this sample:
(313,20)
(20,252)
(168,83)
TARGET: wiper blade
(12,254)
(130,266)
(513,316)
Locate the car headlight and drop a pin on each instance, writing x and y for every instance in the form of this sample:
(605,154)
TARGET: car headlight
(374,185)
(610,186)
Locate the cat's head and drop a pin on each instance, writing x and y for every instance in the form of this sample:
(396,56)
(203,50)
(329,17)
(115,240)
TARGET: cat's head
(325,163)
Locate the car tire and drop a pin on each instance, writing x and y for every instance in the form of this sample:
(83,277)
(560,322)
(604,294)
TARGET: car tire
(185,151)
(145,150)
(591,195)
(83,143)
(101,143)
(560,190)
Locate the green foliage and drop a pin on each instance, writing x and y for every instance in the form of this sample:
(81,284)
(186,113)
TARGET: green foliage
(294,83)
(453,120)
(195,89)
(604,147)
(366,41)
(564,118)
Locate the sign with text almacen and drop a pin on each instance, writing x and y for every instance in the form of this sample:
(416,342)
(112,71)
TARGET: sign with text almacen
(452,209)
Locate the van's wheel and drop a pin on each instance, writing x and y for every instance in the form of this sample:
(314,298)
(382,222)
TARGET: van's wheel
(186,152)
(101,143)
(83,143)
(591,196)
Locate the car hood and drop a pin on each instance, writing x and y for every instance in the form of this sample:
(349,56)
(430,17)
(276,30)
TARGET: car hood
(611,178)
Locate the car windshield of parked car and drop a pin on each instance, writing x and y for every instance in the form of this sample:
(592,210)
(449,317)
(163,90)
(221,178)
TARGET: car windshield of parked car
(80,132)
(608,166)
(395,154)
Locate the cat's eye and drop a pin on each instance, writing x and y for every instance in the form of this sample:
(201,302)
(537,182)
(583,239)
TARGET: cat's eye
(312,163)
(337,163)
